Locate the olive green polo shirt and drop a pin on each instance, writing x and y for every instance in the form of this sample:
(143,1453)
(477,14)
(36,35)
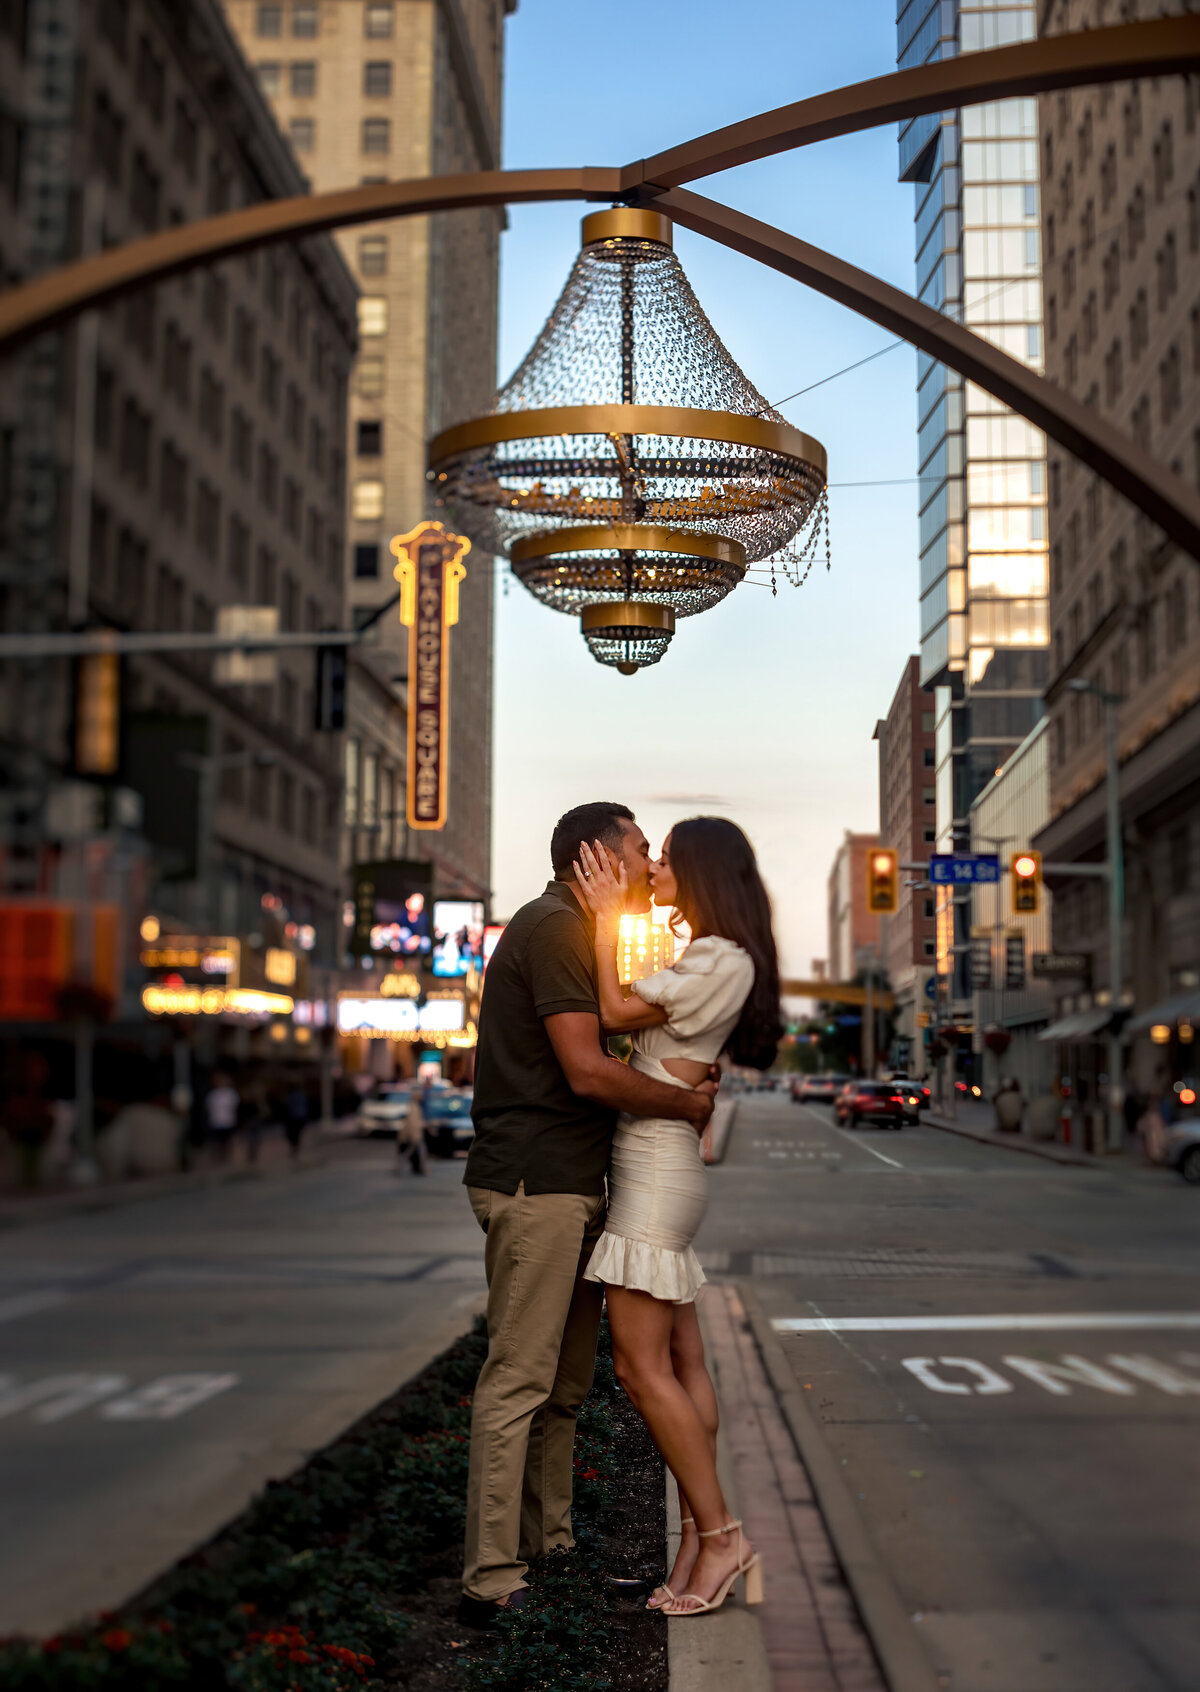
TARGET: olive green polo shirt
(529,1125)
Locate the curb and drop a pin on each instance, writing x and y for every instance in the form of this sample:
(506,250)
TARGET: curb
(894,1639)
(1014,1142)
(24,1213)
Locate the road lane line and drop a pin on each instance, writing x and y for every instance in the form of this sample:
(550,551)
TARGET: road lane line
(967,1324)
(891,1161)
(28,1304)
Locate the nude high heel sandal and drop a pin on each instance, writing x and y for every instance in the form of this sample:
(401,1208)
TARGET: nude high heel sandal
(750,1571)
(654,1602)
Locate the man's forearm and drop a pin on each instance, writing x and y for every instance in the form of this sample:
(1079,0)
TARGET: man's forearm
(621,1088)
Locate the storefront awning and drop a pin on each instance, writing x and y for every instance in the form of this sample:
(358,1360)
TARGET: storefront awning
(1177,1007)
(1083,1025)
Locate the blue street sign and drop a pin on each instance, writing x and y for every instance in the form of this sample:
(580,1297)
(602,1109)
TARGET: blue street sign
(946,869)
(931,987)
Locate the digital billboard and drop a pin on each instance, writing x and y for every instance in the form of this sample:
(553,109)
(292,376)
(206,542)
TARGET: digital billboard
(457,936)
(393,909)
(491,939)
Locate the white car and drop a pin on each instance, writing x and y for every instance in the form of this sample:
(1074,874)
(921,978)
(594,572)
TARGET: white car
(384,1111)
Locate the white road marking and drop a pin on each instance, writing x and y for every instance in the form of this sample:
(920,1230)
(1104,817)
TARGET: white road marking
(169,1396)
(28,1304)
(890,1161)
(57,1396)
(967,1324)
(1059,1379)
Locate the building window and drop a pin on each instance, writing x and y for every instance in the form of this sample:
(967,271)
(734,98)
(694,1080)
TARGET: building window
(930,910)
(264,577)
(929,757)
(292,503)
(145,191)
(373,255)
(366,561)
(376,135)
(150,79)
(302,133)
(303,77)
(930,836)
(370,377)
(270,77)
(929,796)
(377,77)
(304,20)
(372,314)
(378,20)
(368,501)
(185,140)
(930,948)
(268,22)
(369,439)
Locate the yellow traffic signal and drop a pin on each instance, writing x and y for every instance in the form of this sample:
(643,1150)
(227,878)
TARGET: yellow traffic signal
(883,880)
(98,714)
(1026,883)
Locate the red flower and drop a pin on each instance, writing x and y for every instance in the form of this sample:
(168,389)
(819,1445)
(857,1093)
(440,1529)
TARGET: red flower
(299,1657)
(248,1609)
(117,1639)
(52,1646)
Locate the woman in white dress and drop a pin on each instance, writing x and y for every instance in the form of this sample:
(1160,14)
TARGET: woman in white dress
(722,995)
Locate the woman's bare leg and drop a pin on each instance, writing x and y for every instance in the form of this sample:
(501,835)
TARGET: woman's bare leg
(641,1335)
(687,1362)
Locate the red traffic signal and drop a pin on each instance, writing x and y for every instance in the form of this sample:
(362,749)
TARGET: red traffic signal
(1026,883)
(883,880)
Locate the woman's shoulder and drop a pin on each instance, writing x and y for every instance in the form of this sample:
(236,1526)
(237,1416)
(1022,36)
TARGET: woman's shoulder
(711,953)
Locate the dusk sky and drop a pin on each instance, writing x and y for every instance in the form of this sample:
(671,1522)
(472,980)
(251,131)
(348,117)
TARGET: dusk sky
(762,710)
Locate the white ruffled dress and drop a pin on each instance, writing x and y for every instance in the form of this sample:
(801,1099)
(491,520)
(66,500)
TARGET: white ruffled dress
(657,1183)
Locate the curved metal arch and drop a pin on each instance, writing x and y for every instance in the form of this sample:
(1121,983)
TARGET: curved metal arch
(1165,498)
(51,299)
(1161,47)
(1115,54)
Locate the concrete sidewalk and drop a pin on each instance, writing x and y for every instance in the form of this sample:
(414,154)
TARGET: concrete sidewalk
(983,1133)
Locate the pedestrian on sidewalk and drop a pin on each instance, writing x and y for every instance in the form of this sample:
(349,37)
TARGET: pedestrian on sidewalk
(411,1135)
(295,1116)
(722,995)
(221,1107)
(545,1104)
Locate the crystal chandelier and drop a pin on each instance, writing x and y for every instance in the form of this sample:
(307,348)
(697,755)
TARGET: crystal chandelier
(630,471)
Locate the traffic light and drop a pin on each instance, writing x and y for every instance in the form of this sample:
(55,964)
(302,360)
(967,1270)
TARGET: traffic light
(1026,883)
(1014,962)
(981,958)
(97,732)
(329,695)
(883,880)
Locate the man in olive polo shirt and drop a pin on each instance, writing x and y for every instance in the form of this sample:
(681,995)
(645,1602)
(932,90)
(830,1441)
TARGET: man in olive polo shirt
(546,1100)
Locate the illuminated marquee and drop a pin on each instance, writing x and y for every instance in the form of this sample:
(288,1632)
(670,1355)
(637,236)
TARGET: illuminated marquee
(429,571)
(214,1001)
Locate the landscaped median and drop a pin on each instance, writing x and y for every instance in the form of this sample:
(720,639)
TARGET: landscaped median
(345,1575)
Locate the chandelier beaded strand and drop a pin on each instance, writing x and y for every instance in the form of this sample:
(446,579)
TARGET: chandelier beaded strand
(630,471)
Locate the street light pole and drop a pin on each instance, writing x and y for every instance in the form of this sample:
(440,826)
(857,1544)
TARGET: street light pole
(1116,905)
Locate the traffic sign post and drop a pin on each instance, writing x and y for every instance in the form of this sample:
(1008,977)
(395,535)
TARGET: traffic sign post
(952,869)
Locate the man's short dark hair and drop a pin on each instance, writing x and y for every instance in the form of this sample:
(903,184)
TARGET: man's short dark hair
(599,821)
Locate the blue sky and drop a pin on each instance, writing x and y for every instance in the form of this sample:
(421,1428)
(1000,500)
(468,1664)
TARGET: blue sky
(762,709)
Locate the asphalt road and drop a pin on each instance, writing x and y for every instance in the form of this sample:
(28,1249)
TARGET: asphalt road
(159,1361)
(1004,1353)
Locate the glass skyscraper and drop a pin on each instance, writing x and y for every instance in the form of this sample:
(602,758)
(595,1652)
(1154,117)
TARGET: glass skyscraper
(983,574)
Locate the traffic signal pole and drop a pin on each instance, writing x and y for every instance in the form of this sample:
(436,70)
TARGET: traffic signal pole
(1116,925)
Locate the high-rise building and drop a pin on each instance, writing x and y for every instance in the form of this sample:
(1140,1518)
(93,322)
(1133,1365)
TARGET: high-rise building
(907,813)
(367,91)
(1121,216)
(983,549)
(169,456)
(853,928)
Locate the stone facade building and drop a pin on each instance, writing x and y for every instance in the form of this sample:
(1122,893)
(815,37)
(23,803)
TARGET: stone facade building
(1121,220)
(367,91)
(907,823)
(177,452)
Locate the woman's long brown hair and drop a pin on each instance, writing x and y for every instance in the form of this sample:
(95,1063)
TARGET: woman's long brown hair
(719,891)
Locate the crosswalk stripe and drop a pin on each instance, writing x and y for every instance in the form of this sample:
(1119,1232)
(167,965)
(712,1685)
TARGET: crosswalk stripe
(1038,1321)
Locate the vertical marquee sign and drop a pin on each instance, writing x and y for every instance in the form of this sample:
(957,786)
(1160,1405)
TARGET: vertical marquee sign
(429,571)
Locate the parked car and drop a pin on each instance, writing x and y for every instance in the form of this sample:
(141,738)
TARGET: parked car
(448,1125)
(917,1097)
(383,1110)
(820,1089)
(1182,1150)
(870,1101)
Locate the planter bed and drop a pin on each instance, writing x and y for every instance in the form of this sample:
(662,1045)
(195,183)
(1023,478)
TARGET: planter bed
(346,1574)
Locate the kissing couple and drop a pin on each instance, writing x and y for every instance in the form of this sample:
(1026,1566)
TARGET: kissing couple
(556,1117)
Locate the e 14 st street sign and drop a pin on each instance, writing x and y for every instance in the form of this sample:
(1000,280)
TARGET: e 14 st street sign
(947,869)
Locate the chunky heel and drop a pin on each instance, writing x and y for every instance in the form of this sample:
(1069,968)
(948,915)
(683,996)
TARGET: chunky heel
(691,1604)
(754,1581)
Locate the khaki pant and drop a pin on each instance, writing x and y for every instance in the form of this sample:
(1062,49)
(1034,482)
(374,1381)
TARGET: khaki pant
(542,1323)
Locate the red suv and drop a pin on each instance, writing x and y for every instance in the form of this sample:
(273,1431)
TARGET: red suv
(870,1101)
